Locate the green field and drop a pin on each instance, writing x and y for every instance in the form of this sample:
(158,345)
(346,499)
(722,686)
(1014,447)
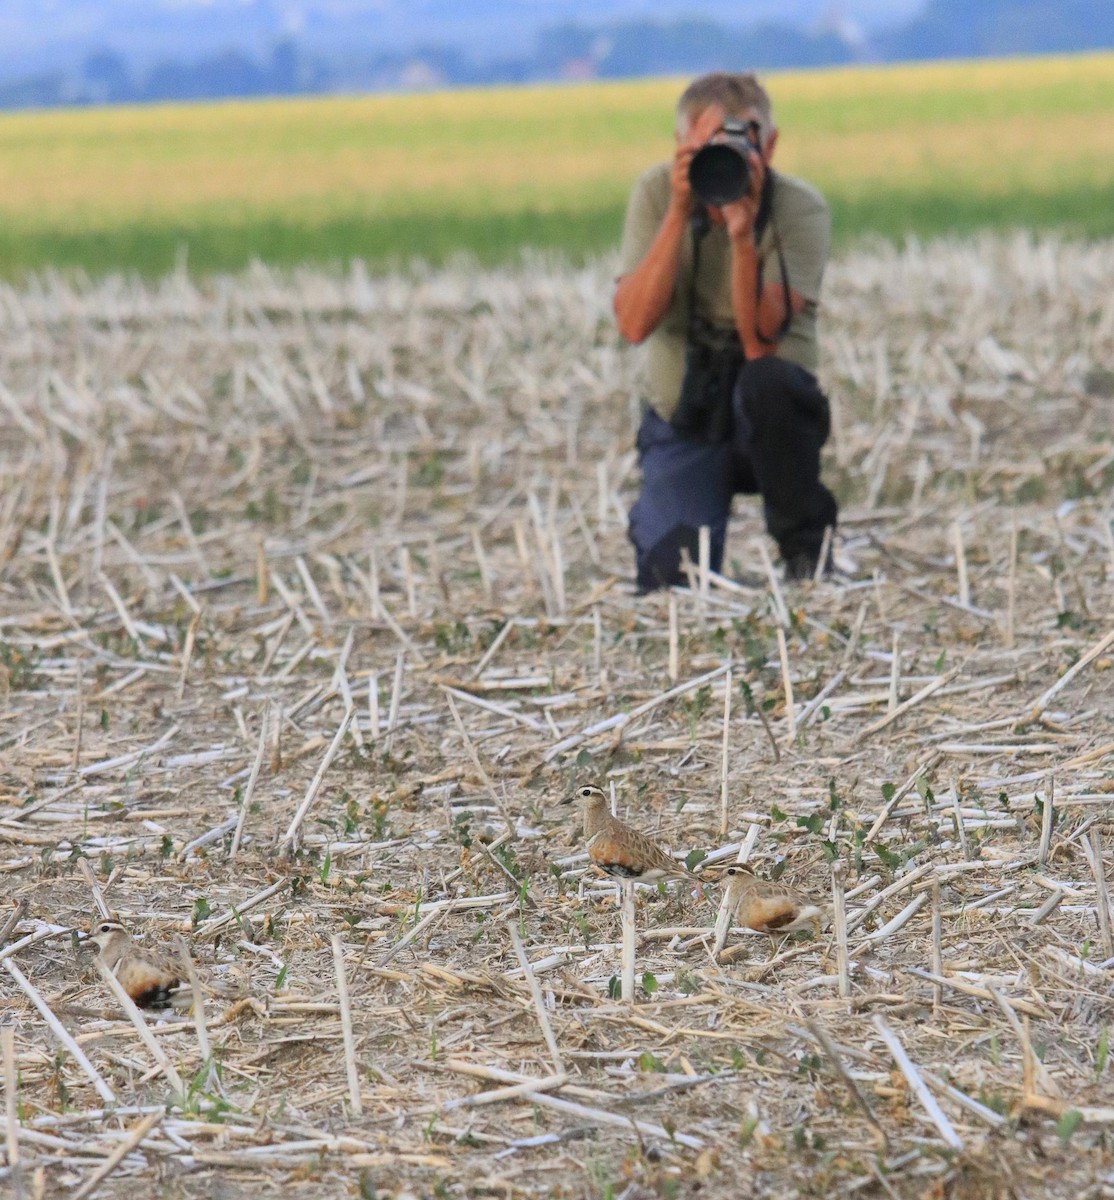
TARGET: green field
(898,150)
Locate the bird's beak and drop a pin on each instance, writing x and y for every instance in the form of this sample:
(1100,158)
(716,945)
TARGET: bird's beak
(568,799)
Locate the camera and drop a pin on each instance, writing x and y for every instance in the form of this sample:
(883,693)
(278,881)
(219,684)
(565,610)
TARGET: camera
(719,173)
(713,359)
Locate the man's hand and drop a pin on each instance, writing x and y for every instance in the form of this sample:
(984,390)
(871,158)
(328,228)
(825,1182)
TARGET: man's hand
(681,198)
(740,216)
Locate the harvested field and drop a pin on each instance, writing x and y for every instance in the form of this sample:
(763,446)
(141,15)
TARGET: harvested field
(315,603)
(907,149)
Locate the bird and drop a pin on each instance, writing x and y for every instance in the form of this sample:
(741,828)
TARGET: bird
(149,979)
(773,908)
(619,850)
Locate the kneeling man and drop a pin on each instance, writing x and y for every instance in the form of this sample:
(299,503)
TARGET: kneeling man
(725,296)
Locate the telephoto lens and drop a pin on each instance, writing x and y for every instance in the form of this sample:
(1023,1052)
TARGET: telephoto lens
(720,170)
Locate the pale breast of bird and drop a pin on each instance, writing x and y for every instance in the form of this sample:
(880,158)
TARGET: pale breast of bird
(771,908)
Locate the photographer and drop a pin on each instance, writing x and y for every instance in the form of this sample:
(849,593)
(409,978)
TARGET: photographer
(725,298)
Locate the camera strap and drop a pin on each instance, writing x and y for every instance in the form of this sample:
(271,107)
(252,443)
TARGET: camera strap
(787,320)
(701,224)
(766,216)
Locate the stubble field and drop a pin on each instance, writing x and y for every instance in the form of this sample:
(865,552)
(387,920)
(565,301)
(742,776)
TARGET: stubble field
(315,603)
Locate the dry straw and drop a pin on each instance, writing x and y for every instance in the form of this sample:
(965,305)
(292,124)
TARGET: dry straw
(272,494)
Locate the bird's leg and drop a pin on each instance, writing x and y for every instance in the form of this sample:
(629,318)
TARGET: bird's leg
(723,924)
(627,918)
(819,937)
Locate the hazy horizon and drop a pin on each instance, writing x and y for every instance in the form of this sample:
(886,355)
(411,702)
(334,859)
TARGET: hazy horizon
(49,34)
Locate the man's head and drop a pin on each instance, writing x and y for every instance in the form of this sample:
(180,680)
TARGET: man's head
(708,100)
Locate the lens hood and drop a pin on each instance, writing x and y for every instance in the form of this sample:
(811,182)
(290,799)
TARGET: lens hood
(719,173)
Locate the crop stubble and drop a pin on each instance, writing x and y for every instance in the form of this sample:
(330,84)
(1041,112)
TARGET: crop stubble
(229,508)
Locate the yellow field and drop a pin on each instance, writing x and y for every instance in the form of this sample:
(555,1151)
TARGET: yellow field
(971,134)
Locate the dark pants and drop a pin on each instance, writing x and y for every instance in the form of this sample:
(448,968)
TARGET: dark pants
(780,421)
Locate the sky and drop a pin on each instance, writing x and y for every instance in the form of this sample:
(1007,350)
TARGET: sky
(44,34)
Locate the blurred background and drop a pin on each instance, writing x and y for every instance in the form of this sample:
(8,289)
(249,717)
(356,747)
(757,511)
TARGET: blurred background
(144,133)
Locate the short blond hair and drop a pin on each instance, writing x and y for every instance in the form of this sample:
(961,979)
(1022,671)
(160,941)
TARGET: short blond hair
(734,92)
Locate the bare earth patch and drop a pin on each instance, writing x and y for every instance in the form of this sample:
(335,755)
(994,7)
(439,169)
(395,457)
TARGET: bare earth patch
(315,601)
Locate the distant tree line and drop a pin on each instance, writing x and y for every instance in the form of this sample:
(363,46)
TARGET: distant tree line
(944,28)
(106,78)
(1000,28)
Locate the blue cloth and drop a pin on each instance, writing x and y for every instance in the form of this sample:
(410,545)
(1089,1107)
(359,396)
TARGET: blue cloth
(779,420)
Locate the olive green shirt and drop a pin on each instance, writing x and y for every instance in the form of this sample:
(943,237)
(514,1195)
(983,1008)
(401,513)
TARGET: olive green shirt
(803,222)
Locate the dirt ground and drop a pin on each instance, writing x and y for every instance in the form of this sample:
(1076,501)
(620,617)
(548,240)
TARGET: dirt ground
(315,601)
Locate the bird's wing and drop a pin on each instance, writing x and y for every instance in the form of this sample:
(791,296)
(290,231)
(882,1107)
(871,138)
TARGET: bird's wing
(622,846)
(766,889)
(769,890)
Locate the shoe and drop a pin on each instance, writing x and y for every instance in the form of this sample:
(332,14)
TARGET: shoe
(660,566)
(801,567)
